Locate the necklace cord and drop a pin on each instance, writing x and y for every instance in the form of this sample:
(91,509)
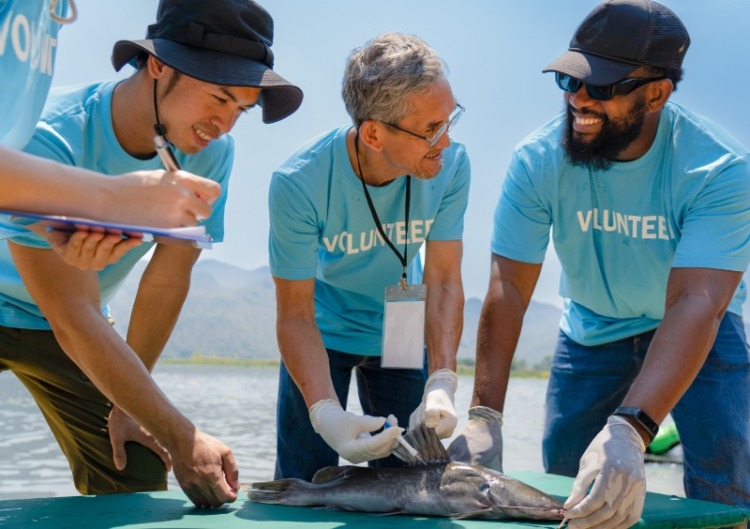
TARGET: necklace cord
(378,224)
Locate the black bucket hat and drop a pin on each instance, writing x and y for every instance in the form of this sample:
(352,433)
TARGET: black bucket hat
(618,37)
(224,42)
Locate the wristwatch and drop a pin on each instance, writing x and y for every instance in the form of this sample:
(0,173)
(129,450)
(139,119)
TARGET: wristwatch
(641,417)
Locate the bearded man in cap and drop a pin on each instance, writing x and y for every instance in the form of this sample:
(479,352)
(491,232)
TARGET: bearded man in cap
(201,66)
(650,206)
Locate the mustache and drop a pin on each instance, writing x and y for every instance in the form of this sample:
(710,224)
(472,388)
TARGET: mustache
(584,112)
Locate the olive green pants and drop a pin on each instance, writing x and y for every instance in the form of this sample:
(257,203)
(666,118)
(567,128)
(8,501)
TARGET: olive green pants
(77,414)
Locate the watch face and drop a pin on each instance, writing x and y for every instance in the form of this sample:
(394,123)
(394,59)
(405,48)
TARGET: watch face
(641,416)
(647,421)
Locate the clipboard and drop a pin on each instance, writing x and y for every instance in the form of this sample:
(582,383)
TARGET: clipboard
(194,236)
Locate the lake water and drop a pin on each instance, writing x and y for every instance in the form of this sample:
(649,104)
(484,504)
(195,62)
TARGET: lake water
(237,405)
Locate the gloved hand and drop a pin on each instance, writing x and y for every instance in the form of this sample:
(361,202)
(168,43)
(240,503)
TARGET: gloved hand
(614,462)
(349,434)
(481,439)
(437,410)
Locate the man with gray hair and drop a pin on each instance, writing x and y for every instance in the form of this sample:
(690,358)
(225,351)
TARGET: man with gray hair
(349,213)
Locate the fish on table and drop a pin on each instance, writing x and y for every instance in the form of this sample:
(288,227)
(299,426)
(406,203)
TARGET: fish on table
(435,487)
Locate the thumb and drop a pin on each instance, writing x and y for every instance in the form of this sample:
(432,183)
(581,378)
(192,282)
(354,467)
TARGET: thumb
(587,471)
(119,456)
(231,472)
(57,238)
(368,423)
(379,445)
(206,189)
(578,492)
(431,417)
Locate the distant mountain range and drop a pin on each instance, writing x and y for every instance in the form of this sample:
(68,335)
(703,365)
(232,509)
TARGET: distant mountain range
(231,312)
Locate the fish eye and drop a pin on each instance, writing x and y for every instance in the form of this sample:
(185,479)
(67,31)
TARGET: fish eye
(484,486)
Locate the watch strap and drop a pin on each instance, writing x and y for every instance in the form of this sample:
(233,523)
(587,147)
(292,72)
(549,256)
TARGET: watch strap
(641,417)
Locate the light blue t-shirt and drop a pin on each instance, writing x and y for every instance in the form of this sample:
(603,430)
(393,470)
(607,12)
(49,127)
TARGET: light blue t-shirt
(322,228)
(28,45)
(684,204)
(76,129)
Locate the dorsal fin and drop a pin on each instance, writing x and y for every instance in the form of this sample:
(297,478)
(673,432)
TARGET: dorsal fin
(426,442)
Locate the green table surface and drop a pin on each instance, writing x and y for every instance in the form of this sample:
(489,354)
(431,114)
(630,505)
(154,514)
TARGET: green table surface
(162,510)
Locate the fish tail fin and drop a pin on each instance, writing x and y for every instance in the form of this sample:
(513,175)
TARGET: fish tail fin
(280,491)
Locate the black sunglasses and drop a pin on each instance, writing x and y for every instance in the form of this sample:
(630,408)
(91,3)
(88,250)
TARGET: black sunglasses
(605,92)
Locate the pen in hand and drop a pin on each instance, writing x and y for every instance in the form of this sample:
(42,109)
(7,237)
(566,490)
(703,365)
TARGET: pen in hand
(166,154)
(167,158)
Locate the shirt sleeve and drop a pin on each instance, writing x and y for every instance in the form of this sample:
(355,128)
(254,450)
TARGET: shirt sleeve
(715,232)
(294,230)
(449,220)
(522,217)
(220,173)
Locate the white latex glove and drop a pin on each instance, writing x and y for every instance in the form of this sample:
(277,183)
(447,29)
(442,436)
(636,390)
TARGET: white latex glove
(349,434)
(614,462)
(437,410)
(480,441)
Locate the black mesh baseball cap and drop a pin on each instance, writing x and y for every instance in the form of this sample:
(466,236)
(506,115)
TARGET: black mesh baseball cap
(224,42)
(618,37)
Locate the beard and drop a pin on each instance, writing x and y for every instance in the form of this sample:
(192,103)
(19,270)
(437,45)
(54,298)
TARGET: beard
(601,152)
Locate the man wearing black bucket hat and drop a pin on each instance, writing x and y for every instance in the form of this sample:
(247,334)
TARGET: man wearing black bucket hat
(651,212)
(201,66)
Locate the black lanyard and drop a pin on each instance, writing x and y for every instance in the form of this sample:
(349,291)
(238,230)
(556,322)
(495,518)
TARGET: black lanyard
(401,258)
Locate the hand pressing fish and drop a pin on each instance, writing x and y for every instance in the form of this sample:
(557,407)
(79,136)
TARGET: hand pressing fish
(439,487)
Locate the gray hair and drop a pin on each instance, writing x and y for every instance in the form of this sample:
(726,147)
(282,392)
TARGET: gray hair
(382,75)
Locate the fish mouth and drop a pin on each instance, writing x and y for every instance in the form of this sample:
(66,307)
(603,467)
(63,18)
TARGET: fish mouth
(531,513)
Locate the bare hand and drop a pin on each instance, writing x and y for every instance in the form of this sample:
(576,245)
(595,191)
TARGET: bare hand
(123,429)
(90,250)
(206,471)
(161,199)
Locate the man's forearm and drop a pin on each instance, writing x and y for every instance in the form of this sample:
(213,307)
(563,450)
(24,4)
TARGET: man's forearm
(444,321)
(31,183)
(119,374)
(500,324)
(161,295)
(511,285)
(696,302)
(306,359)
(676,354)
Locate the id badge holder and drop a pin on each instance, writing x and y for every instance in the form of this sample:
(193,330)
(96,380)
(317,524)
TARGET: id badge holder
(403,327)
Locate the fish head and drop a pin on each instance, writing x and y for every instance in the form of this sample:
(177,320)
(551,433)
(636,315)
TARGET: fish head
(473,491)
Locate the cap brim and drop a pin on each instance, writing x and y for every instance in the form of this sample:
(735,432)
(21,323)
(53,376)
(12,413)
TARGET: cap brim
(591,69)
(279,98)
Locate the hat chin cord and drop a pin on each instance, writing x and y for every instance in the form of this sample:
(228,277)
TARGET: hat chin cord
(159,127)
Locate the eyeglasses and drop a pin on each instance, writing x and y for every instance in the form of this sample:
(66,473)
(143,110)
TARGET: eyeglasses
(603,92)
(447,126)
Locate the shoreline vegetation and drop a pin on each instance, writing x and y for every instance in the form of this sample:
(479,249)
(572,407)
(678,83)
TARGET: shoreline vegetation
(465,367)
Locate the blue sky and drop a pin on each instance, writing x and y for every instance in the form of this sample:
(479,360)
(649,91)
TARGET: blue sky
(495,51)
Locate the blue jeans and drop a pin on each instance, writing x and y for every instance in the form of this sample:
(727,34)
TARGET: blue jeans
(300,452)
(713,417)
